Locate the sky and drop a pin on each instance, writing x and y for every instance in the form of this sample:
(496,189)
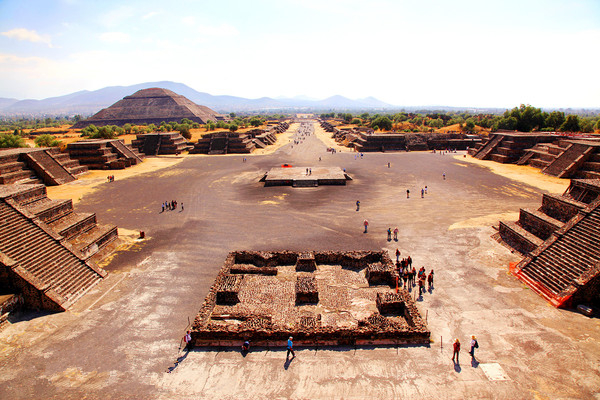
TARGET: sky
(465,53)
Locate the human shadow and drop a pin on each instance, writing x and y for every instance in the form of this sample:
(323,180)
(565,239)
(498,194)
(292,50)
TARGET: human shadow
(457,367)
(178,361)
(430,289)
(287,362)
(474,362)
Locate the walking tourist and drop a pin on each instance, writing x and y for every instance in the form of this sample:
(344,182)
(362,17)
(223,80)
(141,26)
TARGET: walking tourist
(389,232)
(456,348)
(290,348)
(425,189)
(474,345)
(366,223)
(422,192)
(396,234)
(246,346)
(188,341)
(357,205)
(444,175)
(430,279)
(407,194)
(397,255)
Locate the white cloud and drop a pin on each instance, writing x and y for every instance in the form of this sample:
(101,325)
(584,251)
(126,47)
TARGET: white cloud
(189,20)
(219,30)
(150,15)
(12,59)
(27,35)
(115,37)
(117,16)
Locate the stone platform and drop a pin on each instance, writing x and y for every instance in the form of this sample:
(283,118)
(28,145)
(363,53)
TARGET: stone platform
(343,298)
(298,176)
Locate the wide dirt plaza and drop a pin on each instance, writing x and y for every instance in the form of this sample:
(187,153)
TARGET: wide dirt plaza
(122,340)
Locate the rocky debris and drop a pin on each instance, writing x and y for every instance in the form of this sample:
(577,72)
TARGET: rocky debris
(306,290)
(228,287)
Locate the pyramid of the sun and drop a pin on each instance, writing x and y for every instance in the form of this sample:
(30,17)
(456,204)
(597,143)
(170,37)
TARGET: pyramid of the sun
(150,106)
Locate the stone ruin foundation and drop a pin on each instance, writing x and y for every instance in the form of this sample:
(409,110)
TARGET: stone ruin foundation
(318,297)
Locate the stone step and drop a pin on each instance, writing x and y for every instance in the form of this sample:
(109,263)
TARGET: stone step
(15,176)
(12,167)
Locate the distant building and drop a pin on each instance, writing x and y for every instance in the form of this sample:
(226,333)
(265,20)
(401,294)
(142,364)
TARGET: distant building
(151,106)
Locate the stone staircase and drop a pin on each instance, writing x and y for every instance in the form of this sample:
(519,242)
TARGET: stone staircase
(48,168)
(37,165)
(103,153)
(126,152)
(71,165)
(218,145)
(488,147)
(45,247)
(570,160)
(561,244)
(567,262)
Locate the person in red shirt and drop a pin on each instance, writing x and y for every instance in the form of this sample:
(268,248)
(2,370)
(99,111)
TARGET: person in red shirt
(456,347)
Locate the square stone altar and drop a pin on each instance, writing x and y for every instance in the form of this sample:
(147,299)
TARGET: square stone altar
(305,176)
(319,298)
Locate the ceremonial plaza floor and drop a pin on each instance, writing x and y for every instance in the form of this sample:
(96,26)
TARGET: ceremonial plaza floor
(122,340)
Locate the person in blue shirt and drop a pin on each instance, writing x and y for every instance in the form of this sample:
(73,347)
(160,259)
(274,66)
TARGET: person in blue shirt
(290,348)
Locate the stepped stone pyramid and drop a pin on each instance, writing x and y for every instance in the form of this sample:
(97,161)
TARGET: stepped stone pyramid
(561,244)
(151,106)
(152,144)
(39,165)
(559,155)
(47,251)
(104,153)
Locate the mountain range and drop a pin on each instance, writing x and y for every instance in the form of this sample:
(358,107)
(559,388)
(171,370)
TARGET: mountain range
(87,102)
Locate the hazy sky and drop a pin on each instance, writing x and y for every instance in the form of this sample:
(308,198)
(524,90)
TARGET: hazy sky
(430,52)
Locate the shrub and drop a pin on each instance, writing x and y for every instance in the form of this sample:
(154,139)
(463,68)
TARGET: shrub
(46,141)
(8,140)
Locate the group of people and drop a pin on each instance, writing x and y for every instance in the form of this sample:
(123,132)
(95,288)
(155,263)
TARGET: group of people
(170,205)
(110,178)
(456,348)
(389,234)
(409,275)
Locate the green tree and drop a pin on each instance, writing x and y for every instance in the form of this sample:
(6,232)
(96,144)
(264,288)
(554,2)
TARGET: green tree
(89,130)
(571,124)
(554,120)
(598,125)
(470,124)
(233,127)
(382,123)
(586,125)
(46,141)
(184,130)
(255,121)
(356,121)
(127,128)
(508,123)
(436,123)
(104,132)
(232,114)
(8,140)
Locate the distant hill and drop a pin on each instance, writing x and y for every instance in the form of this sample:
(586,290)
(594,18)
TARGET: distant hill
(87,102)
